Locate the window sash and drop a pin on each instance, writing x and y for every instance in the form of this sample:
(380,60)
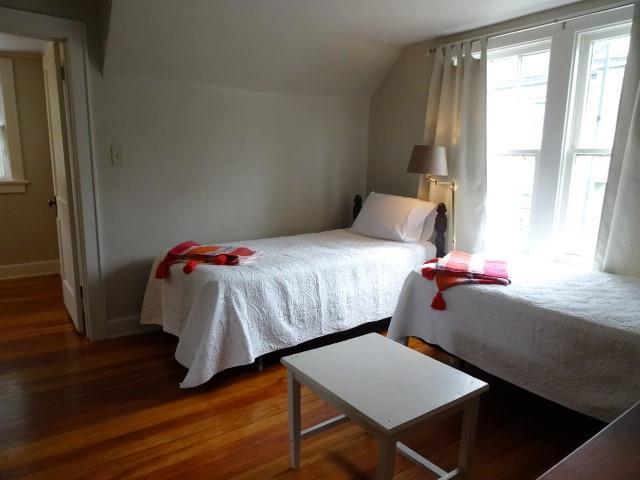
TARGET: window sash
(581,70)
(517,85)
(575,116)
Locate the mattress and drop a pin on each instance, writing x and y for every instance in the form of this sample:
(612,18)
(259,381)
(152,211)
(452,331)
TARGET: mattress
(570,336)
(301,287)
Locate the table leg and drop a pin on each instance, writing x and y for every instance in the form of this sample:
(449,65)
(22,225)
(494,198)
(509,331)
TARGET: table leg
(469,423)
(293,391)
(386,458)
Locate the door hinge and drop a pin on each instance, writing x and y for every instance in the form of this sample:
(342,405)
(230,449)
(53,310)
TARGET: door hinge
(63,74)
(81,292)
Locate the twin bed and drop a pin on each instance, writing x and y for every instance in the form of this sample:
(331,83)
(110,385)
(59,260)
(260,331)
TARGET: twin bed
(571,337)
(300,288)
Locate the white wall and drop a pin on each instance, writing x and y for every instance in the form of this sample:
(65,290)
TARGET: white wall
(396,123)
(212,165)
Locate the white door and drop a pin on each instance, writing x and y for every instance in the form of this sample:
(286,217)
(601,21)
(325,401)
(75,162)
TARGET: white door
(60,154)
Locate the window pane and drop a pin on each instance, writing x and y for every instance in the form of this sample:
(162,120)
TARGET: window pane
(509,194)
(607,59)
(517,91)
(586,194)
(5,172)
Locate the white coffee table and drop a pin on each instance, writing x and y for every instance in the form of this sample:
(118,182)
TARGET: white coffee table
(387,389)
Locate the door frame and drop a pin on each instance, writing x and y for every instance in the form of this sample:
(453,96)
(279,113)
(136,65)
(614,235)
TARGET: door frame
(82,159)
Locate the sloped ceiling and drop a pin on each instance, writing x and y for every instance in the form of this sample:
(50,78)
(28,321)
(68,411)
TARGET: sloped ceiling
(341,47)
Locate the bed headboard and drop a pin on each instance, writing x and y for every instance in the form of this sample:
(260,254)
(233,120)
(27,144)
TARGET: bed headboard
(357,205)
(440,225)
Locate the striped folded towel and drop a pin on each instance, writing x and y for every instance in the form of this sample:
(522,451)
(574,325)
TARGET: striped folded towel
(461,268)
(193,254)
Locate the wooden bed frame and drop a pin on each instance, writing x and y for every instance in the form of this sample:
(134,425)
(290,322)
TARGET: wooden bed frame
(440,224)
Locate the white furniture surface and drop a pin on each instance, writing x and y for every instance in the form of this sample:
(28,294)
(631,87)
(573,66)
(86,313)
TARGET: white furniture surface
(302,287)
(387,389)
(570,336)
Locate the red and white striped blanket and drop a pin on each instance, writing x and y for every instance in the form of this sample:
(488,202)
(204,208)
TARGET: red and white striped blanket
(461,268)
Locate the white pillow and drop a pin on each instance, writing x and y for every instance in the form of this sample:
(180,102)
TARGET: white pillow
(429,226)
(392,218)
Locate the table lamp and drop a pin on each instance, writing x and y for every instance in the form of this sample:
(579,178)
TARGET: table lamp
(430,160)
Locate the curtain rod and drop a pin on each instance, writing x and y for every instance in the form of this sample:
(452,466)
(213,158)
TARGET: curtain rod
(531,26)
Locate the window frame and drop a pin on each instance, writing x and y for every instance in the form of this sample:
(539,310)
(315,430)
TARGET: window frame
(581,57)
(549,193)
(523,43)
(16,183)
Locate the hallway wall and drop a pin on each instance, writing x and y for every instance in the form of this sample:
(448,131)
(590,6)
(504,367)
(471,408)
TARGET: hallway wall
(28,224)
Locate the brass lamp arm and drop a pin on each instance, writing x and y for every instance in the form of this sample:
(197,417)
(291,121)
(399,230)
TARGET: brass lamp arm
(452,185)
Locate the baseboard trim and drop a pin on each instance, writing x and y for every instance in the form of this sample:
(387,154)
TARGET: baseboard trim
(31,269)
(123,326)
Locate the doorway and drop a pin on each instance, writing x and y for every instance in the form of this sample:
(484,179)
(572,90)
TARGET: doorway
(79,66)
(36,181)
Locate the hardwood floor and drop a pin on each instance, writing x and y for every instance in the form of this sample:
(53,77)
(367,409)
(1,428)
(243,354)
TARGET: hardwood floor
(70,408)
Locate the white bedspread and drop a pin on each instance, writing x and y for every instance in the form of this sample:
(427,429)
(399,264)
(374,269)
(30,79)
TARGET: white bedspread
(302,287)
(571,337)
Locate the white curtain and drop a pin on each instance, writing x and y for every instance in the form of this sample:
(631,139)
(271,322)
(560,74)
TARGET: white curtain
(456,118)
(618,248)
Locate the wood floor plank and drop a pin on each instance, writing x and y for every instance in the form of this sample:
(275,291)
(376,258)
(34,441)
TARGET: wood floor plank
(75,409)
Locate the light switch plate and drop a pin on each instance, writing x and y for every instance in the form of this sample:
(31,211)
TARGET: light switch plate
(117,155)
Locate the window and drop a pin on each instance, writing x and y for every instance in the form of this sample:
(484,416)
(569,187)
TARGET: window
(600,60)
(11,172)
(517,91)
(552,104)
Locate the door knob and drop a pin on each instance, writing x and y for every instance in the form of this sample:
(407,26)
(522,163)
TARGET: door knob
(51,202)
